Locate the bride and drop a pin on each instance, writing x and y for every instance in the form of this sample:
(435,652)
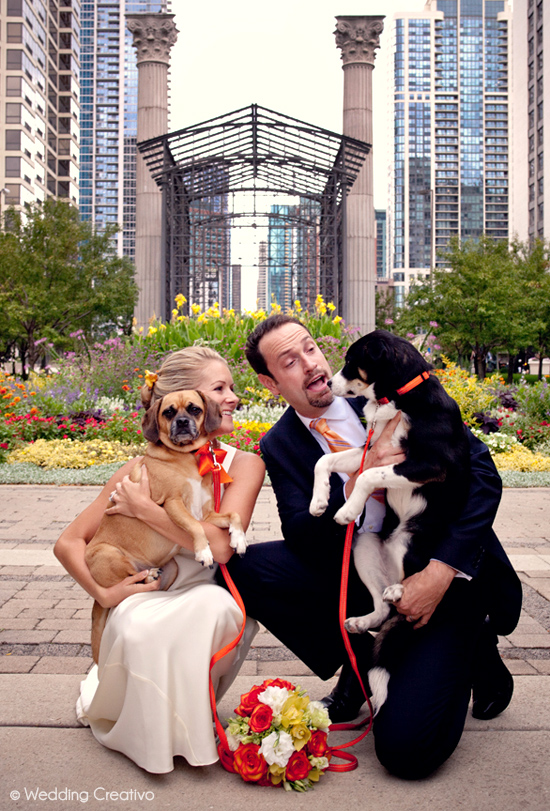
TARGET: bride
(148,696)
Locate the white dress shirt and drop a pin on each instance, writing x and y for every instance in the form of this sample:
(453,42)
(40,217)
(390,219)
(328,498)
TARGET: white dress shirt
(341,417)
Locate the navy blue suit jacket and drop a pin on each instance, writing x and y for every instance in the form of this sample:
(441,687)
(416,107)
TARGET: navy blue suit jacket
(469,545)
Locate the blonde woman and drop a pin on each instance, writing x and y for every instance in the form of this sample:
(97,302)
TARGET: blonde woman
(148,696)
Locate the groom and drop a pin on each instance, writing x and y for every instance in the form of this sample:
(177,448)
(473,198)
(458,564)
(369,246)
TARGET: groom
(458,600)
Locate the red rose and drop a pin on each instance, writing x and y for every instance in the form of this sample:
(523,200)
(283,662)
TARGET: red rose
(317,744)
(298,766)
(278,683)
(249,763)
(249,701)
(260,718)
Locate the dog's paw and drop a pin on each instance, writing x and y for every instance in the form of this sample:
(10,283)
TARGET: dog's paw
(392,594)
(345,515)
(204,556)
(318,505)
(238,541)
(154,574)
(356,625)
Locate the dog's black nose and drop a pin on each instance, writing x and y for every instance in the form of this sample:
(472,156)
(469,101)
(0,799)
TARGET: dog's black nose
(329,383)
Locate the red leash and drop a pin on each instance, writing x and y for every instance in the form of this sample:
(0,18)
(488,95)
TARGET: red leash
(225,754)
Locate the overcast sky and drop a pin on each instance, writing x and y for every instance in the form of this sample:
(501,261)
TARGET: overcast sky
(281,55)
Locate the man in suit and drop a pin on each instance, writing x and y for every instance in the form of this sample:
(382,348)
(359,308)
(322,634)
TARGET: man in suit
(457,601)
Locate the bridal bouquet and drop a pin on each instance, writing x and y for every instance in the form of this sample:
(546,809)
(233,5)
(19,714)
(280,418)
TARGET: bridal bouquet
(279,736)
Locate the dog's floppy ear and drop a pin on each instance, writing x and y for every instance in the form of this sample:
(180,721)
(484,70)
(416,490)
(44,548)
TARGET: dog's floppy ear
(149,422)
(376,346)
(212,414)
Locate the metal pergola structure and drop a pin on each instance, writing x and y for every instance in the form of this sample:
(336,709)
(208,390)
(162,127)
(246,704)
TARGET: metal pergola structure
(258,153)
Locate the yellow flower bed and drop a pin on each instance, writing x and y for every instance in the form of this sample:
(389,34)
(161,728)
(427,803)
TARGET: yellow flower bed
(522,459)
(471,394)
(68,453)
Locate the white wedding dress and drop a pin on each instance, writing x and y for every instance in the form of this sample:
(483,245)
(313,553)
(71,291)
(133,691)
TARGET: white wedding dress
(149,698)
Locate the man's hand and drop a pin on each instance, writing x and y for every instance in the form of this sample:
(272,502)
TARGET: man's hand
(424,591)
(381,453)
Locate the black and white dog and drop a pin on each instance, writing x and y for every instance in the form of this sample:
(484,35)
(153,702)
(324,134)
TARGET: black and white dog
(426,491)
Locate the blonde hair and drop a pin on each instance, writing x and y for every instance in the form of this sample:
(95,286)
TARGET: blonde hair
(180,370)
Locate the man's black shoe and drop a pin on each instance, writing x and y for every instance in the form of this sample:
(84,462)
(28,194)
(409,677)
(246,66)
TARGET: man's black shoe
(492,682)
(492,692)
(346,699)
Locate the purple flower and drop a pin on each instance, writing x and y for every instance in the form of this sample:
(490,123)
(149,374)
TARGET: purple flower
(434,324)
(388,321)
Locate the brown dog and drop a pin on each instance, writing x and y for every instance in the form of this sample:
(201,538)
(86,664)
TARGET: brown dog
(175,426)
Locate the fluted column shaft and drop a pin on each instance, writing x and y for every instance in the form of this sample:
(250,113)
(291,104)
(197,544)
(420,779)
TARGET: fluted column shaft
(358,37)
(154,35)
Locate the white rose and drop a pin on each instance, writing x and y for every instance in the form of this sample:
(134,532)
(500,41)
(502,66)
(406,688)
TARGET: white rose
(275,698)
(277,748)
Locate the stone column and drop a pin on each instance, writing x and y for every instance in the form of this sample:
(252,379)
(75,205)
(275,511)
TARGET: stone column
(358,37)
(154,35)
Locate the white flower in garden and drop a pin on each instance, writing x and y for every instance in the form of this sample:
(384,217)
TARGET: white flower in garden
(275,698)
(277,747)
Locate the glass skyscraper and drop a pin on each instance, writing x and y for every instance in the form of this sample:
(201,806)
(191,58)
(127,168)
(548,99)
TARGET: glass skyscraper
(451,131)
(108,121)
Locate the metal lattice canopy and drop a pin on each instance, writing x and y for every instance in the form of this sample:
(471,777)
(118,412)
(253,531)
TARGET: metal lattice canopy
(205,169)
(257,148)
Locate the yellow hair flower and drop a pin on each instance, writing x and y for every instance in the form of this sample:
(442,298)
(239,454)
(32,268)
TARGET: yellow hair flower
(150,378)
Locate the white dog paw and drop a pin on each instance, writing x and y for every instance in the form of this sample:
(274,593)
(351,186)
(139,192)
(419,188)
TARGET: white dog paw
(154,574)
(204,556)
(345,515)
(319,501)
(354,625)
(238,541)
(392,594)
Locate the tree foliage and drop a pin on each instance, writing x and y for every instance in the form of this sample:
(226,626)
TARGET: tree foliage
(492,297)
(59,274)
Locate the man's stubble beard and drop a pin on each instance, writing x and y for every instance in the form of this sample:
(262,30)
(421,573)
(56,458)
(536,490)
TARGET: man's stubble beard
(321,401)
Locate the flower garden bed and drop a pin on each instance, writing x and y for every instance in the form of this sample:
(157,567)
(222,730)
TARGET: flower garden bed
(76,421)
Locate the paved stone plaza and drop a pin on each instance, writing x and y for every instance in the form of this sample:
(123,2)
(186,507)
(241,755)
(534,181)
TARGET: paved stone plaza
(44,652)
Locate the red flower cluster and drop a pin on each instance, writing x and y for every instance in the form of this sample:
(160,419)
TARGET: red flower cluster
(249,759)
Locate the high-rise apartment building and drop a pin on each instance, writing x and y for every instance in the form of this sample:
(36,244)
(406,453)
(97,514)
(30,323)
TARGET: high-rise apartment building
(261,289)
(381,244)
(531,120)
(293,254)
(109,115)
(39,100)
(451,131)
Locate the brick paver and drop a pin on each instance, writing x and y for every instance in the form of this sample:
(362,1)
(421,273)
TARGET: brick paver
(45,616)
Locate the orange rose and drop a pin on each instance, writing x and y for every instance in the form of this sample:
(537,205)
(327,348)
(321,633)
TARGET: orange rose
(298,766)
(260,718)
(249,701)
(317,744)
(249,763)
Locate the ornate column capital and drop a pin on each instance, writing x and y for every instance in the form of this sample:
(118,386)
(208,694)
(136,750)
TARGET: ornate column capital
(358,38)
(154,35)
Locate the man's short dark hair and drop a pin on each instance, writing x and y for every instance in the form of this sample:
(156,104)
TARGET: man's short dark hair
(252,351)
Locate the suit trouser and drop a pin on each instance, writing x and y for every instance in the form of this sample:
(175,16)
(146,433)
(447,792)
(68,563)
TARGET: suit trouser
(422,720)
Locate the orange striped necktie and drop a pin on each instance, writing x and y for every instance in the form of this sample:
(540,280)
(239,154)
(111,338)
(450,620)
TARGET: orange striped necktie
(334,440)
(336,443)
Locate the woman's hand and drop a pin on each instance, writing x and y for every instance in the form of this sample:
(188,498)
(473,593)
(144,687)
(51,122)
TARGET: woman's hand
(114,595)
(131,498)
